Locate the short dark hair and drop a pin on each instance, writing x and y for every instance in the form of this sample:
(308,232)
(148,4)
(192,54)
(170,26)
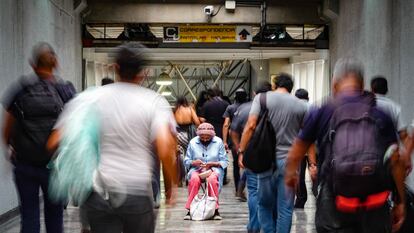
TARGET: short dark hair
(263,87)
(106,81)
(302,94)
(379,85)
(130,59)
(284,80)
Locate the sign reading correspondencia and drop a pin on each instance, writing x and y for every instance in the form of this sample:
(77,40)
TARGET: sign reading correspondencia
(207,34)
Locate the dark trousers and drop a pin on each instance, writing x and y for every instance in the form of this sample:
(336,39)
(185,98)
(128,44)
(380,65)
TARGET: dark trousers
(301,191)
(134,215)
(408,226)
(29,179)
(236,168)
(329,220)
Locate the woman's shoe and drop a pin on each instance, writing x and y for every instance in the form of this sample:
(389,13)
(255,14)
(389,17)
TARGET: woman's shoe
(217,216)
(187,216)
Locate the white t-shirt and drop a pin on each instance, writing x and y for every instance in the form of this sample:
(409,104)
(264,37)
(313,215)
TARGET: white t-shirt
(130,117)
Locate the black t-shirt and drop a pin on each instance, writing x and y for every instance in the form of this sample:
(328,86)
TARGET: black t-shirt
(213,111)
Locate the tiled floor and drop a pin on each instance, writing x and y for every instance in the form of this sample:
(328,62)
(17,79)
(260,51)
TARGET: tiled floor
(169,220)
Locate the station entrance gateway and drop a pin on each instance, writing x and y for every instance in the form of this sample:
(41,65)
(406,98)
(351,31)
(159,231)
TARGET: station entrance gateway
(188,58)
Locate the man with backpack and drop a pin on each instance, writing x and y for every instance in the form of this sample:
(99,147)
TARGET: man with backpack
(358,158)
(32,106)
(285,114)
(237,125)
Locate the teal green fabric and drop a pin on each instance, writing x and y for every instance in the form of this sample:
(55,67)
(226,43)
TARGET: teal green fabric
(77,158)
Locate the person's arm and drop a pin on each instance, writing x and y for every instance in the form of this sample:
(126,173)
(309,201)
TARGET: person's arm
(223,160)
(235,137)
(54,140)
(165,146)
(296,154)
(226,127)
(312,161)
(398,173)
(7,126)
(246,136)
(194,117)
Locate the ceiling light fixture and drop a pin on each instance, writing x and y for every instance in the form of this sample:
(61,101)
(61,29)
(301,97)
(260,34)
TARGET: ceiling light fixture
(164,79)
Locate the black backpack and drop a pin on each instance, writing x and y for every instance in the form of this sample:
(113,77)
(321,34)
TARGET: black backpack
(36,109)
(357,149)
(260,152)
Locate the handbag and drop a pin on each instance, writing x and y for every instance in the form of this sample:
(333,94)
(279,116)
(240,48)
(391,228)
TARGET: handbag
(203,206)
(77,158)
(260,152)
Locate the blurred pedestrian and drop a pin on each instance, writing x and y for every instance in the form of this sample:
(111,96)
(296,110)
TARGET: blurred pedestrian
(301,191)
(213,110)
(354,187)
(135,123)
(106,81)
(286,114)
(237,125)
(240,98)
(32,106)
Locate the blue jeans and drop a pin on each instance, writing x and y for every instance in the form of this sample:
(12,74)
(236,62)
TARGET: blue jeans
(29,179)
(251,179)
(275,201)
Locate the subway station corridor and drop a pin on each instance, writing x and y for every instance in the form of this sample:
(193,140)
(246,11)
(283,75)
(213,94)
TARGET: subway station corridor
(96,95)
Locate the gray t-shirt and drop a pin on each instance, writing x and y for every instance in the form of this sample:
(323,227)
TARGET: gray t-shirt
(286,112)
(240,117)
(392,109)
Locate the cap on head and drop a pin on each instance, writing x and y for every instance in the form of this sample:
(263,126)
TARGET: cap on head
(206,129)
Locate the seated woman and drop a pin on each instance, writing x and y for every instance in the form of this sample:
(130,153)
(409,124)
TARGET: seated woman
(206,151)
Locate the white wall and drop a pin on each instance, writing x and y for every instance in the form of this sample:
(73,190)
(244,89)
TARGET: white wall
(380,33)
(22,24)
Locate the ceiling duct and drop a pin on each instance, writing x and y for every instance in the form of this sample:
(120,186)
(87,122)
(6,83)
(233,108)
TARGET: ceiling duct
(273,33)
(139,32)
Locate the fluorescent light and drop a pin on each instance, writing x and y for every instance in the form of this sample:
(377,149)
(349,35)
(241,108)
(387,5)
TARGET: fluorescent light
(163,82)
(164,79)
(166,93)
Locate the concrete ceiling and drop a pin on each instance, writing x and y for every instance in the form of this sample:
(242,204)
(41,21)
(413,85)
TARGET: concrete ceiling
(243,2)
(168,54)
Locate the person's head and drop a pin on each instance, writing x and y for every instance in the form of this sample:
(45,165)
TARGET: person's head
(213,92)
(348,75)
(379,85)
(43,57)
(263,87)
(106,81)
(285,81)
(241,96)
(206,132)
(181,102)
(130,62)
(202,98)
(302,94)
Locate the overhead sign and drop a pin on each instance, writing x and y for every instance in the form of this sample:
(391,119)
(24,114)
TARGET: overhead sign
(208,34)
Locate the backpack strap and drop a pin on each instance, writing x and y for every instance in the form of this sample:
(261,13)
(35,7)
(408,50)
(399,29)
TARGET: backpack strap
(262,98)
